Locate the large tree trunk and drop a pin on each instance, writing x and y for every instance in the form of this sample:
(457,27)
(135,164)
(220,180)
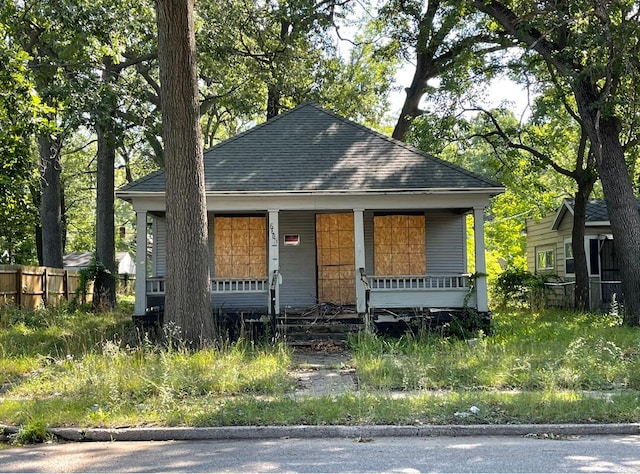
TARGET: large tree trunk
(104,291)
(50,201)
(187,290)
(411,105)
(624,217)
(622,205)
(581,294)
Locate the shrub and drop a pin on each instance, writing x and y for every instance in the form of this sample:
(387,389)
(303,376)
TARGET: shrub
(520,287)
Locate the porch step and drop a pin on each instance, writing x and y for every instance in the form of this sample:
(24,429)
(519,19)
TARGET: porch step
(309,330)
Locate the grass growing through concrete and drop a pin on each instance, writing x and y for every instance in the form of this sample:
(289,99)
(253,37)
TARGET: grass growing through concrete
(75,368)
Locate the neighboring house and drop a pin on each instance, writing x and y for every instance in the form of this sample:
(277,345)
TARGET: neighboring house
(80,260)
(312,208)
(549,251)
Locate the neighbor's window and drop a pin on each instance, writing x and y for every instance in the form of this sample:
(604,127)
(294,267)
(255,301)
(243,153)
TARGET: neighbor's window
(569,265)
(545,260)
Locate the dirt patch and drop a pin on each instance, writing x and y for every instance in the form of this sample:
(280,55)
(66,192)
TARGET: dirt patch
(323,372)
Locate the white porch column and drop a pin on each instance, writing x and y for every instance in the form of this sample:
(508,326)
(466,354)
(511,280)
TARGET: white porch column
(274,259)
(481,263)
(141,263)
(358,231)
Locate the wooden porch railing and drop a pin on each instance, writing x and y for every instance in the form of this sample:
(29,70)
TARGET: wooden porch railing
(427,282)
(419,291)
(156,287)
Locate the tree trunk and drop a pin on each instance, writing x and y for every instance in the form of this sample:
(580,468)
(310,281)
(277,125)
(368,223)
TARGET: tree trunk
(50,201)
(187,290)
(411,105)
(581,294)
(622,205)
(104,291)
(273,101)
(624,217)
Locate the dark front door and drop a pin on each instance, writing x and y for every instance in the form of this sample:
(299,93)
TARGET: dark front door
(610,273)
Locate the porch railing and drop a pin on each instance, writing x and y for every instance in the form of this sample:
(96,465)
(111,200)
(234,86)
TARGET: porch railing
(427,282)
(423,291)
(155,286)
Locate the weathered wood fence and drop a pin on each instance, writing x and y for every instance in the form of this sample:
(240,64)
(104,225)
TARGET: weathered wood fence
(33,287)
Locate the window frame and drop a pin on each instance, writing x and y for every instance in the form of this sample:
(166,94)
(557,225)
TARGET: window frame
(547,260)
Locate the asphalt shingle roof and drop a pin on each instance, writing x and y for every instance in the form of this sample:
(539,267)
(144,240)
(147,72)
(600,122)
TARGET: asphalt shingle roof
(596,210)
(311,149)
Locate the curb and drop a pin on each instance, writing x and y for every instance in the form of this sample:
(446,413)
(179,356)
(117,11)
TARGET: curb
(366,431)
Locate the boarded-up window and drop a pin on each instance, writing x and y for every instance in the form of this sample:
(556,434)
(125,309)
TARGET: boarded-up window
(399,245)
(336,258)
(240,247)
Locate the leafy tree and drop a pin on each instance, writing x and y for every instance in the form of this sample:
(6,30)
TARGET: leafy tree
(446,40)
(187,286)
(259,58)
(122,45)
(49,32)
(589,48)
(20,108)
(530,190)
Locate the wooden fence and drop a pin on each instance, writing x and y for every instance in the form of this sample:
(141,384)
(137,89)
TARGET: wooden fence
(33,287)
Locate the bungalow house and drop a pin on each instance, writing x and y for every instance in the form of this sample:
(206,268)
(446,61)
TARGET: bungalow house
(311,208)
(549,252)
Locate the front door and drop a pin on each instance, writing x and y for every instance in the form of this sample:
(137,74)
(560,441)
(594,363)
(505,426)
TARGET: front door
(336,258)
(610,273)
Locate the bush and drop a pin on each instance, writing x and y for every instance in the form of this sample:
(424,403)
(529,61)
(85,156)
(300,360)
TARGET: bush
(520,287)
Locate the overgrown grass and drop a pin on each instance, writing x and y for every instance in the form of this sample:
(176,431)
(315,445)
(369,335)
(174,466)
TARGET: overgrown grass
(552,351)
(30,340)
(63,368)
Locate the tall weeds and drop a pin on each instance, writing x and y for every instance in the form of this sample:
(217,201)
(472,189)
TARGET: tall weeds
(528,351)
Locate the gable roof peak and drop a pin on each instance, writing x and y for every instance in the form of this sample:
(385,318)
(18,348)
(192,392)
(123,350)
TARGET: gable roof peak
(311,149)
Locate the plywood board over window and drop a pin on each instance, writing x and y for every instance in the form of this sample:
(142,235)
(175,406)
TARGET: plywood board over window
(336,258)
(399,244)
(240,247)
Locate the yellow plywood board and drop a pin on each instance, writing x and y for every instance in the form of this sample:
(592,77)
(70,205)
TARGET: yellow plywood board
(239,247)
(399,245)
(336,258)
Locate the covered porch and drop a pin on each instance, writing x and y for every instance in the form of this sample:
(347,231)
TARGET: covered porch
(306,261)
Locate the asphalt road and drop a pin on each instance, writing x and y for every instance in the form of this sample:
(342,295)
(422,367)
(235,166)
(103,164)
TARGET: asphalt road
(401,454)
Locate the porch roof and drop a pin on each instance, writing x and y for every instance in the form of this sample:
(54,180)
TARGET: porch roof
(311,150)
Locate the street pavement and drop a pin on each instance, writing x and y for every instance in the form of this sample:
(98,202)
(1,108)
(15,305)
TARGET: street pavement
(609,453)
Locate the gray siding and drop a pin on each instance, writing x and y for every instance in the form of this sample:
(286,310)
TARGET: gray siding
(298,264)
(446,242)
(445,254)
(159,249)
(368,242)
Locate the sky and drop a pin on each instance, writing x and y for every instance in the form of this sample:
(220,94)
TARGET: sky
(501,92)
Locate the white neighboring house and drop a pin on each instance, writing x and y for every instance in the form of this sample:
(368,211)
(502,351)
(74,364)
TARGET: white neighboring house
(81,260)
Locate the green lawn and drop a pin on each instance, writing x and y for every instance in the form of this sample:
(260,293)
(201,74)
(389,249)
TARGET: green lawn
(76,368)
